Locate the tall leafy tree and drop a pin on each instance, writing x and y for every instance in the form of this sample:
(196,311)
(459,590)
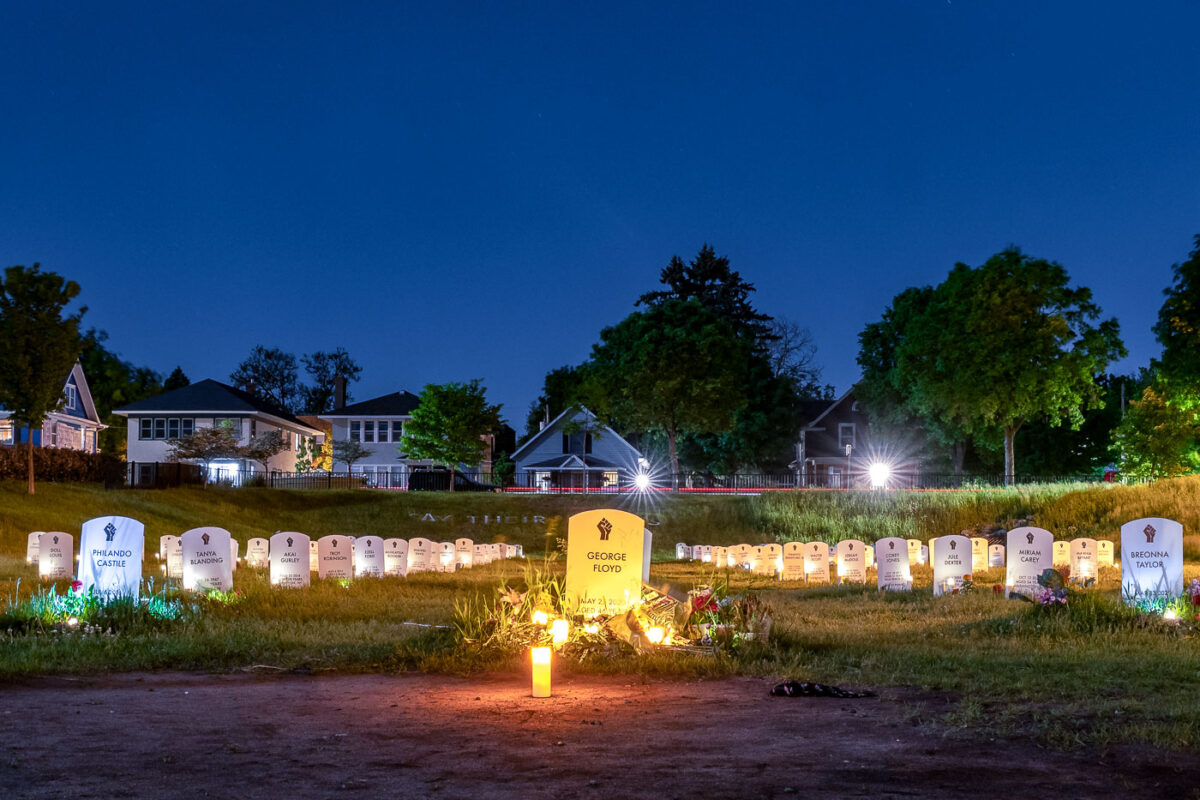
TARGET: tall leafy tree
(270,374)
(176,380)
(1178,326)
(1157,438)
(449,424)
(41,345)
(322,369)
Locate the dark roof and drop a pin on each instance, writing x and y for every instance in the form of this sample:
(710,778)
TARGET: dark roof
(208,395)
(569,461)
(396,404)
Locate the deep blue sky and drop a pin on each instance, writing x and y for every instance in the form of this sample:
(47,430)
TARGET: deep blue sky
(462,190)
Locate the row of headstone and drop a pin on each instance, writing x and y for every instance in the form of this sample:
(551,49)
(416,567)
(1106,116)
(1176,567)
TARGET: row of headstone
(792,561)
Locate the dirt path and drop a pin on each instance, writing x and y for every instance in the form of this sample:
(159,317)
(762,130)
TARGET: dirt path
(181,735)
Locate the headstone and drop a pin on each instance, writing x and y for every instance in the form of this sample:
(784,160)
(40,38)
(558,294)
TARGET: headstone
(258,552)
(870,556)
(706,553)
(647,554)
(914,552)
(444,556)
(924,554)
(520,551)
(165,543)
(979,554)
(420,555)
(739,555)
(1151,560)
(720,556)
(1104,552)
(951,556)
(56,555)
(1083,559)
(288,554)
(207,560)
(175,557)
(695,554)
(682,551)
(1062,554)
(851,561)
(793,562)
(497,551)
(368,557)
(110,556)
(234,546)
(33,547)
(395,557)
(772,560)
(816,562)
(995,555)
(464,553)
(510,551)
(335,558)
(481,555)
(893,572)
(756,559)
(1029,554)
(314,557)
(604,561)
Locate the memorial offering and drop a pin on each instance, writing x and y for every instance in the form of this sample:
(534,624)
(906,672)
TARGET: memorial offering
(1029,554)
(56,553)
(110,556)
(893,571)
(951,556)
(1151,561)
(395,557)
(605,549)
(335,557)
(207,560)
(289,560)
(368,557)
(851,561)
(816,562)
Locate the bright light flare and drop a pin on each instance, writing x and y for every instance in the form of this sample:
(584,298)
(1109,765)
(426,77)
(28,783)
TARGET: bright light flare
(879,472)
(641,481)
(655,634)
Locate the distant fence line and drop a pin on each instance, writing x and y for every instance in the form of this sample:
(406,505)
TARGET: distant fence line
(165,475)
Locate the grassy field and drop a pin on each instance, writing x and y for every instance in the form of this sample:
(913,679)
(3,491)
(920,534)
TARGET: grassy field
(1093,673)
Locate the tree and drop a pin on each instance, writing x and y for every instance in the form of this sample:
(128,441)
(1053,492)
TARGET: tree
(1002,344)
(1157,437)
(348,452)
(41,345)
(114,383)
(323,368)
(205,445)
(1178,326)
(270,375)
(176,380)
(264,447)
(676,368)
(448,425)
(791,354)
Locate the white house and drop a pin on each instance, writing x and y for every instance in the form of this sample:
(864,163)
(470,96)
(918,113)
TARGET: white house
(74,426)
(573,450)
(153,422)
(376,424)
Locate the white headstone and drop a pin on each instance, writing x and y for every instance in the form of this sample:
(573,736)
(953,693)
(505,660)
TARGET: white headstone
(110,556)
(289,559)
(510,551)
(481,555)
(335,557)
(234,546)
(793,562)
(1083,559)
(720,557)
(924,556)
(368,557)
(695,554)
(647,553)
(1029,554)
(207,560)
(1151,560)
(258,552)
(893,571)
(314,558)
(56,555)
(914,552)
(757,562)
(165,543)
(520,551)
(497,550)
(1104,550)
(395,557)
(851,561)
(1062,554)
(951,558)
(32,547)
(420,555)
(995,555)
(816,562)
(605,548)
(979,554)
(175,557)
(870,556)
(706,553)
(739,555)
(464,553)
(682,551)
(771,562)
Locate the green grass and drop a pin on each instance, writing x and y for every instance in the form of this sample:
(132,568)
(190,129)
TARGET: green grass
(1095,673)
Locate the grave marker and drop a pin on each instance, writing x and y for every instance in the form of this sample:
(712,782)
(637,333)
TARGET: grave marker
(995,555)
(1030,553)
(706,553)
(914,552)
(1104,553)
(605,550)
(851,561)
(335,557)
(258,552)
(720,557)
(464,553)
(682,551)
(110,556)
(893,570)
(695,554)
(739,555)
(368,557)
(314,559)
(395,557)
(481,555)
(1062,554)
(288,558)
(1151,560)
(56,554)
(207,559)
(420,555)
(979,553)
(234,546)
(1083,559)
(771,560)
(443,556)
(870,556)
(793,562)
(33,545)
(175,557)
(951,561)
(816,562)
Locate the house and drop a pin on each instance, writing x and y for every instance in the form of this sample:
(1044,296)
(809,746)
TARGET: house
(155,421)
(575,450)
(834,444)
(377,425)
(75,425)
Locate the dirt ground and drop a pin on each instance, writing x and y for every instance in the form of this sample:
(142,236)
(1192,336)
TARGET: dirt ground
(423,736)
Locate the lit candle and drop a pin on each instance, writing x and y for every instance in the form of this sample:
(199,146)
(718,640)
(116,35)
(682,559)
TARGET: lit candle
(541,671)
(591,628)
(655,635)
(540,618)
(1170,614)
(558,630)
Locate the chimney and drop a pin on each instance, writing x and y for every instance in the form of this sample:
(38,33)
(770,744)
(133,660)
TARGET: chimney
(339,392)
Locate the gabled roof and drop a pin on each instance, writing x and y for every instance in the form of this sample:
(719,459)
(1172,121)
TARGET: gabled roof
(209,397)
(396,404)
(552,429)
(831,407)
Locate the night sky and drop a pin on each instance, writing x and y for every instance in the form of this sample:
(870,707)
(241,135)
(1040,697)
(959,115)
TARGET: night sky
(469,190)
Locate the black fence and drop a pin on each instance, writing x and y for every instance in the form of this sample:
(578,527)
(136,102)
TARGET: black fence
(159,475)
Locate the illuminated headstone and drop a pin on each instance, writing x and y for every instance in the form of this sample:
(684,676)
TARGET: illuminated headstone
(464,553)
(1029,554)
(756,560)
(682,551)
(979,553)
(1104,553)
(995,555)
(924,554)
(234,546)
(335,558)
(511,551)
(706,553)
(368,557)
(696,551)
(870,556)
(444,554)
(110,556)
(288,554)
(893,572)
(851,561)
(258,552)
(771,562)
(816,562)
(395,557)
(481,555)
(604,561)
(314,558)
(420,555)
(793,562)
(1083,559)
(1151,560)
(165,543)
(951,558)
(914,552)
(175,557)
(739,555)
(56,555)
(207,562)
(720,557)
(33,545)
(1062,554)
(497,551)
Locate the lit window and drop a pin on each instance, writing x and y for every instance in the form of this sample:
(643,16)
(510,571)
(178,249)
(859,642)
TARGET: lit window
(6,432)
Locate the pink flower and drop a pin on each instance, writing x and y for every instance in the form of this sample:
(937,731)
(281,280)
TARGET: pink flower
(76,586)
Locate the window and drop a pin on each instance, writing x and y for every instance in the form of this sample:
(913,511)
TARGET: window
(368,431)
(253,428)
(160,428)
(145,428)
(165,427)
(6,432)
(397,430)
(355,431)
(577,443)
(172,429)
(72,397)
(845,434)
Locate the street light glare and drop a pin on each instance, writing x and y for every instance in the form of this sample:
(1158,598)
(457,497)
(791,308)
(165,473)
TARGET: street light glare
(641,481)
(879,474)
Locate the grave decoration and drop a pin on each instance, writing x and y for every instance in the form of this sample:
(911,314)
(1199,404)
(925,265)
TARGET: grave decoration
(289,560)
(56,552)
(110,556)
(207,560)
(1151,562)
